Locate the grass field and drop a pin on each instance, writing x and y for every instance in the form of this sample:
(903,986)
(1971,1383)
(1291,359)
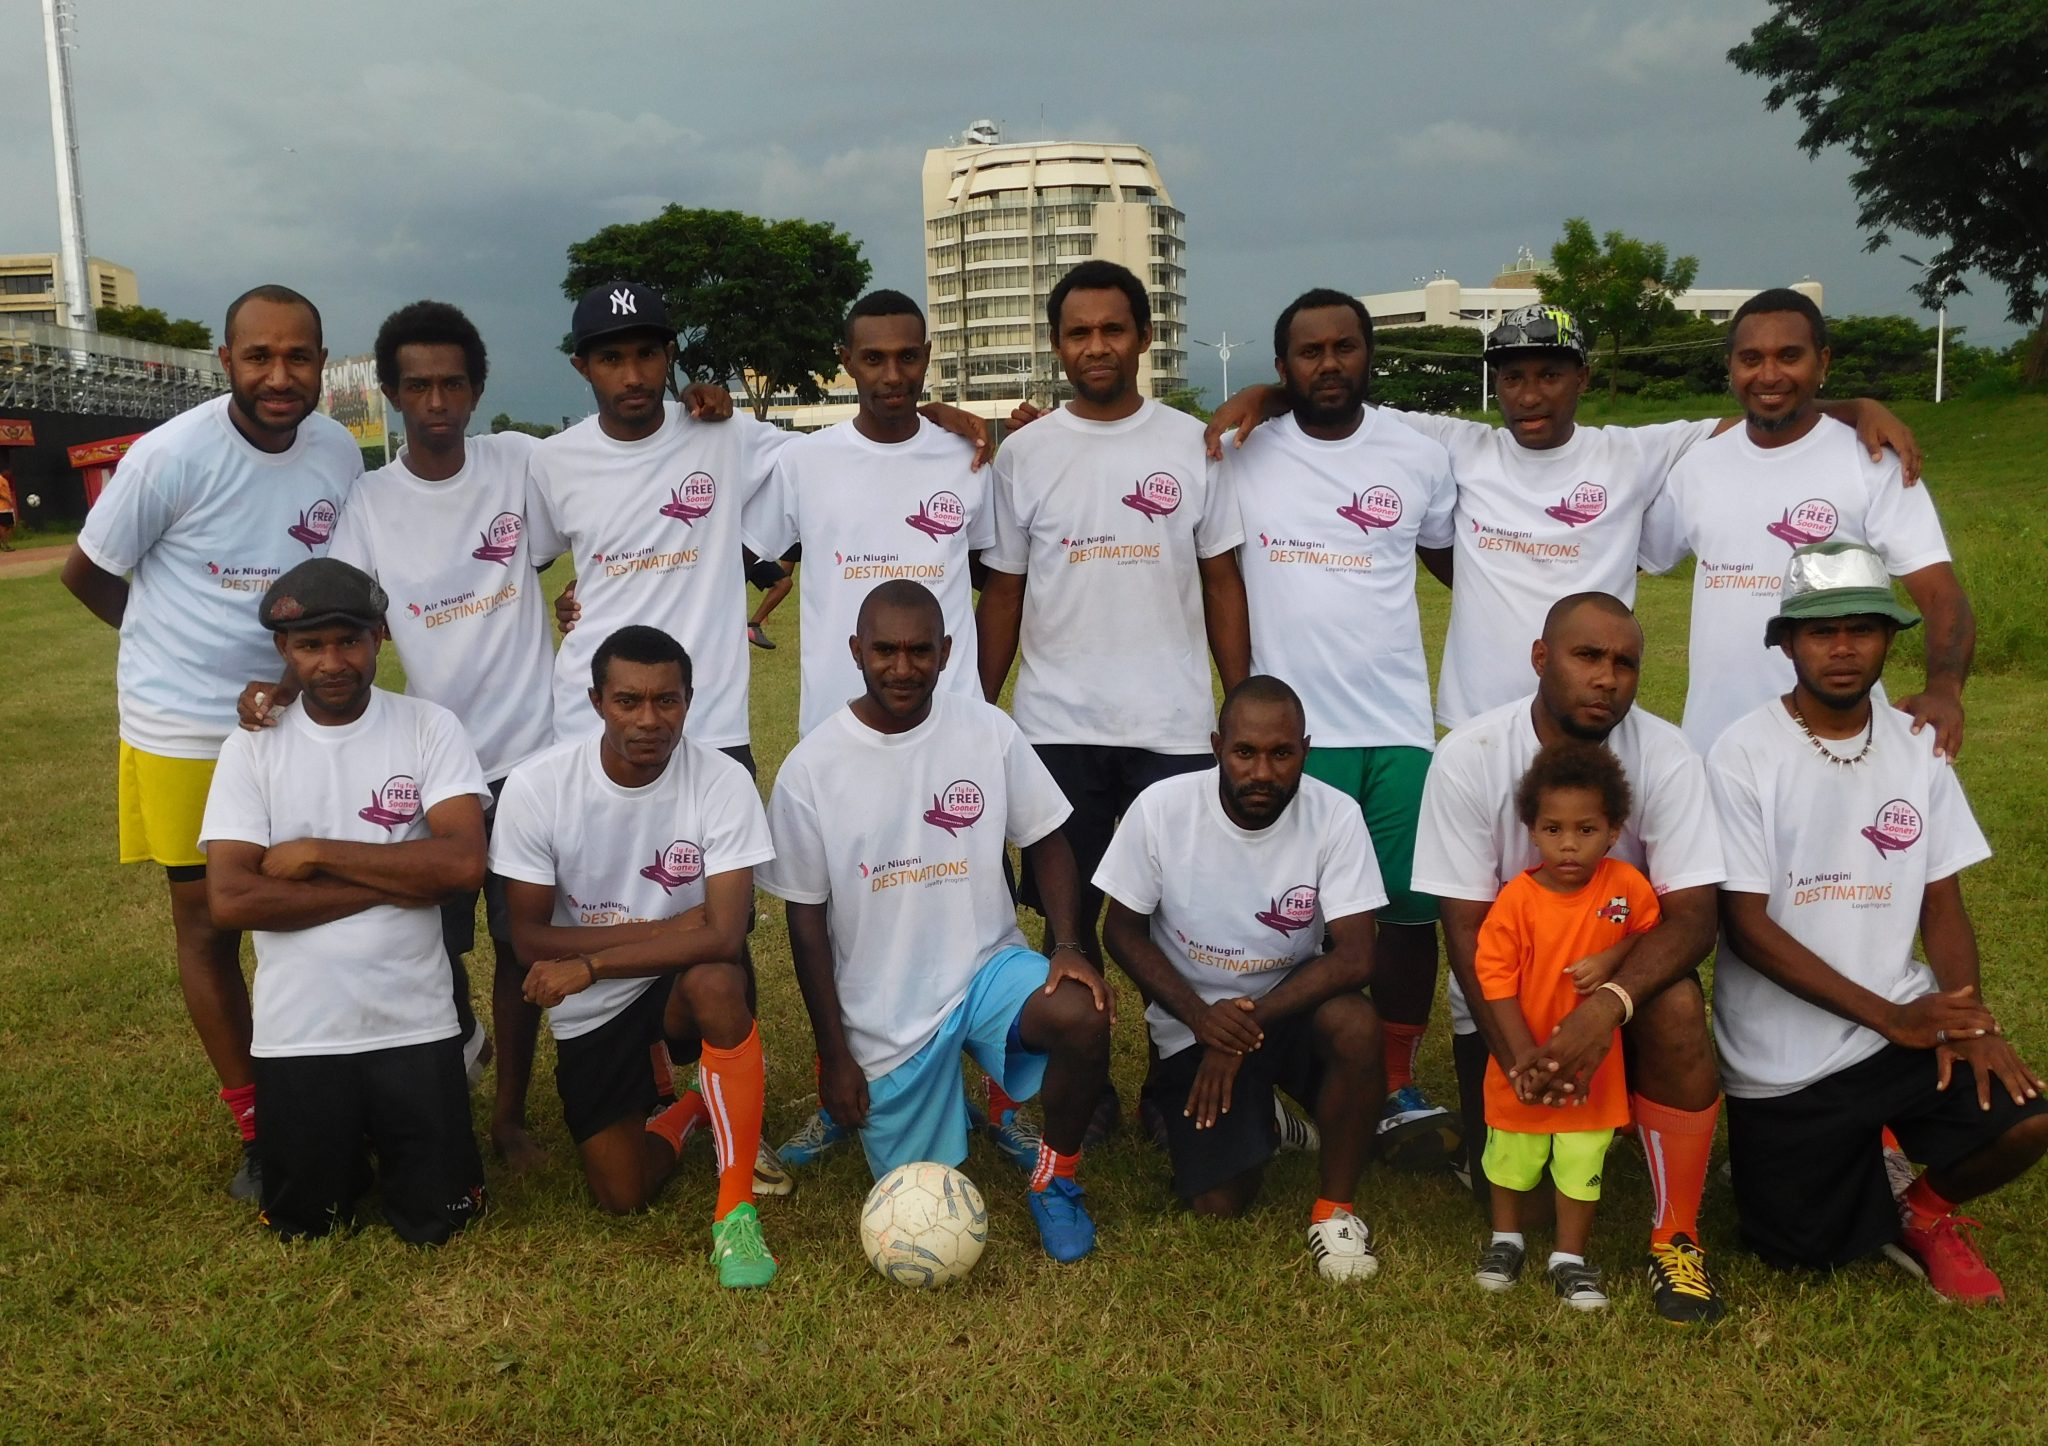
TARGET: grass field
(138,1302)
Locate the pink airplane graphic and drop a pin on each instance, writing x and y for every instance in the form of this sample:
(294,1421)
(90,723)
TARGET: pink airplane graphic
(388,818)
(934,525)
(687,512)
(1355,512)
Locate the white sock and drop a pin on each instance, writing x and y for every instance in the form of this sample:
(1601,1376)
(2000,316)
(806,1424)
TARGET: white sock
(1508,1237)
(1563,1257)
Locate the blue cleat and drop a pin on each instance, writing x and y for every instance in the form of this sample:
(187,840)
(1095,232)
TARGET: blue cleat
(1063,1224)
(1415,1133)
(820,1133)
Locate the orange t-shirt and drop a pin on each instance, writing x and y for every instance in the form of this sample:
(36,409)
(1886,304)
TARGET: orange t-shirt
(1530,937)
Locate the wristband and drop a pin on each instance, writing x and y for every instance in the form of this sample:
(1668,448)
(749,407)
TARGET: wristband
(1628,1005)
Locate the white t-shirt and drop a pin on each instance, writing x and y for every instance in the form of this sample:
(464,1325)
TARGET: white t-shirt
(1108,521)
(206,523)
(377,979)
(902,834)
(1743,509)
(1469,840)
(867,512)
(655,528)
(1533,527)
(1845,855)
(466,612)
(619,855)
(1236,910)
(1330,532)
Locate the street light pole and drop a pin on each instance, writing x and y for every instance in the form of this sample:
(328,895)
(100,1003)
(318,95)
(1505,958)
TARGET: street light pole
(1224,348)
(1949,287)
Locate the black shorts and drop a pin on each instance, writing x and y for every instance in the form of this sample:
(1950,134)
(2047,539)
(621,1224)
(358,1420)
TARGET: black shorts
(323,1118)
(608,1074)
(1245,1137)
(1809,1166)
(1100,782)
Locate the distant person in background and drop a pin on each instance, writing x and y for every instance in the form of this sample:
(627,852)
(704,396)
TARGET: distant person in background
(205,513)
(7,513)
(775,588)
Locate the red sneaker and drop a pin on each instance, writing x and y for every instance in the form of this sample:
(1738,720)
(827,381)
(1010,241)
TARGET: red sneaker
(1950,1263)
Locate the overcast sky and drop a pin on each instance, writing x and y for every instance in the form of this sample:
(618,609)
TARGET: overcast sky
(375,152)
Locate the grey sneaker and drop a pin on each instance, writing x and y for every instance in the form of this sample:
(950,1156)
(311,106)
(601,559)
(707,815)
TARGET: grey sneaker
(248,1181)
(1500,1265)
(1577,1285)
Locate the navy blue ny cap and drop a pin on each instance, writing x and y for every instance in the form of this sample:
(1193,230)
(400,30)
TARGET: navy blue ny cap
(618,306)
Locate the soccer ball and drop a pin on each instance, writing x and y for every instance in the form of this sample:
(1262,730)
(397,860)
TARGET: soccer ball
(923,1225)
(34,500)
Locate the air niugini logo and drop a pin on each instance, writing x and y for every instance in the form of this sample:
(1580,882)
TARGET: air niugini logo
(1292,912)
(394,805)
(682,862)
(1896,830)
(959,806)
(315,525)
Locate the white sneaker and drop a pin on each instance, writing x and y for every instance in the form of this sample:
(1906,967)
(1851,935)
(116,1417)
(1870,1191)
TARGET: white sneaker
(1296,1133)
(770,1178)
(1342,1247)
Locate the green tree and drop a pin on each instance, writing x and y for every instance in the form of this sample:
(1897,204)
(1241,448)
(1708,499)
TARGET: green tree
(1189,400)
(1618,287)
(147,323)
(1427,368)
(759,300)
(1945,110)
(503,423)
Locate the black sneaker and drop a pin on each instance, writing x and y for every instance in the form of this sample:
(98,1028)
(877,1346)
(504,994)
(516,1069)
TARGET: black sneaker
(1680,1287)
(248,1181)
(1500,1265)
(1577,1285)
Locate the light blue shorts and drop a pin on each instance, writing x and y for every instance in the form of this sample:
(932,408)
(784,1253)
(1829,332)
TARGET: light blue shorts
(917,1111)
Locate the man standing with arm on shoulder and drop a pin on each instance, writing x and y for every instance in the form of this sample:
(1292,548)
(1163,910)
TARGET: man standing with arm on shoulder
(1338,503)
(356,1045)
(1846,835)
(1471,841)
(207,510)
(889,820)
(1221,888)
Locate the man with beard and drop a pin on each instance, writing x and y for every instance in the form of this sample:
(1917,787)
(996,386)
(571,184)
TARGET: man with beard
(1845,836)
(1788,477)
(890,819)
(357,1050)
(1223,886)
(1470,842)
(1338,501)
(207,510)
(1114,570)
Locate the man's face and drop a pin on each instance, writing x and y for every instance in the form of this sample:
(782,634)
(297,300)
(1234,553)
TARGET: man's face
(334,664)
(1839,660)
(1588,671)
(1539,395)
(1259,752)
(900,653)
(1327,366)
(887,356)
(628,374)
(1099,344)
(1775,370)
(1572,832)
(643,706)
(434,394)
(273,360)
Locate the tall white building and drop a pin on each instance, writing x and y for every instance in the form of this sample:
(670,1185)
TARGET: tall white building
(1005,221)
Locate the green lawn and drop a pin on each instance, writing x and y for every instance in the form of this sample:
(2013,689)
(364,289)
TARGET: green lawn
(138,1302)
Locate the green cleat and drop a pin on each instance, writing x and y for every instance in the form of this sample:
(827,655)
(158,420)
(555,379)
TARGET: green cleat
(739,1251)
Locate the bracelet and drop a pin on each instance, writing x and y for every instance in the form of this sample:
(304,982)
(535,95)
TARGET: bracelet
(1628,1005)
(1080,949)
(590,964)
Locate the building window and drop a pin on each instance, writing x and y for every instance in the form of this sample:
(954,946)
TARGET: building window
(41,285)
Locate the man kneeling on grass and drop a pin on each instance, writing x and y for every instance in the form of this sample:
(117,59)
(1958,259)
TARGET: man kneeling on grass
(356,1047)
(629,866)
(1845,835)
(1222,887)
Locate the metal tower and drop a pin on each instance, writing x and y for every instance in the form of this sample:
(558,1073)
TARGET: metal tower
(60,38)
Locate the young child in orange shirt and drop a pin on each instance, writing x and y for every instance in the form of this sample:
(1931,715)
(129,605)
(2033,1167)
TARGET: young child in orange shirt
(1557,932)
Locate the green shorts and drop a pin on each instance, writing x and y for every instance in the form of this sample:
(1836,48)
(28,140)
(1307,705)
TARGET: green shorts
(1515,1161)
(1387,782)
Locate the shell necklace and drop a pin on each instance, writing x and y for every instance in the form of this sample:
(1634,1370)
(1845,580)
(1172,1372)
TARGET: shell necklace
(1820,747)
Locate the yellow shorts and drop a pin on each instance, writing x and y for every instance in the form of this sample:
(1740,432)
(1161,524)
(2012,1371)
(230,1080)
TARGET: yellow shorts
(1515,1161)
(162,801)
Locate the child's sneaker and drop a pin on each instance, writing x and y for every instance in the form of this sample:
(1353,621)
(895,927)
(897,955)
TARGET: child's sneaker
(739,1251)
(1500,1265)
(1578,1285)
(1342,1247)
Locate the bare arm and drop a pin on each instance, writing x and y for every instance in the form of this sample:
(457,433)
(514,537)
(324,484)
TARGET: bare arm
(1243,413)
(1951,643)
(715,933)
(1228,1024)
(1227,618)
(1345,968)
(105,596)
(535,935)
(1059,887)
(842,1086)
(1951,947)
(240,895)
(997,623)
(421,871)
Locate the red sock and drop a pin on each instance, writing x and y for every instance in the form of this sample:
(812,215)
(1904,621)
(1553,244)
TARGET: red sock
(1922,1206)
(675,1123)
(1676,1144)
(241,1103)
(1891,1141)
(999,1102)
(1324,1209)
(1052,1165)
(734,1081)
(1401,1043)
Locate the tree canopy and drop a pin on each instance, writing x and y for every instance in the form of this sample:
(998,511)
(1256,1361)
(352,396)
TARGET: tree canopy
(757,300)
(1618,287)
(1945,110)
(148,323)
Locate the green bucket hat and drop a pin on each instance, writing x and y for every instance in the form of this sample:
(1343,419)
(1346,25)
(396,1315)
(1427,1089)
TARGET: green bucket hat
(1835,580)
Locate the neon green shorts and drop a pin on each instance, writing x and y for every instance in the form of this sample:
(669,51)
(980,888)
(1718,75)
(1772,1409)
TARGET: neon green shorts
(1515,1161)
(1387,782)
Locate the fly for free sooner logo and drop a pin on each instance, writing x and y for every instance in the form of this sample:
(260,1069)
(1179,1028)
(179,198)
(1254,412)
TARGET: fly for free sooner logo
(1157,496)
(691,502)
(394,805)
(682,862)
(1813,520)
(315,525)
(940,515)
(1292,912)
(1374,508)
(501,539)
(1896,829)
(959,805)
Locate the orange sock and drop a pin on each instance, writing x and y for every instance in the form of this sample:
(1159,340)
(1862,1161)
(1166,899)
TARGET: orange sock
(1401,1043)
(733,1081)
(1052,1165)
(1324,1209)
(1922,1206)
(1891,1141)
(1676,1144)
(675,1123)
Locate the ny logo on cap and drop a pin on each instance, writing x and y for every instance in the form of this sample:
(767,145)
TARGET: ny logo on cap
(623,303)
